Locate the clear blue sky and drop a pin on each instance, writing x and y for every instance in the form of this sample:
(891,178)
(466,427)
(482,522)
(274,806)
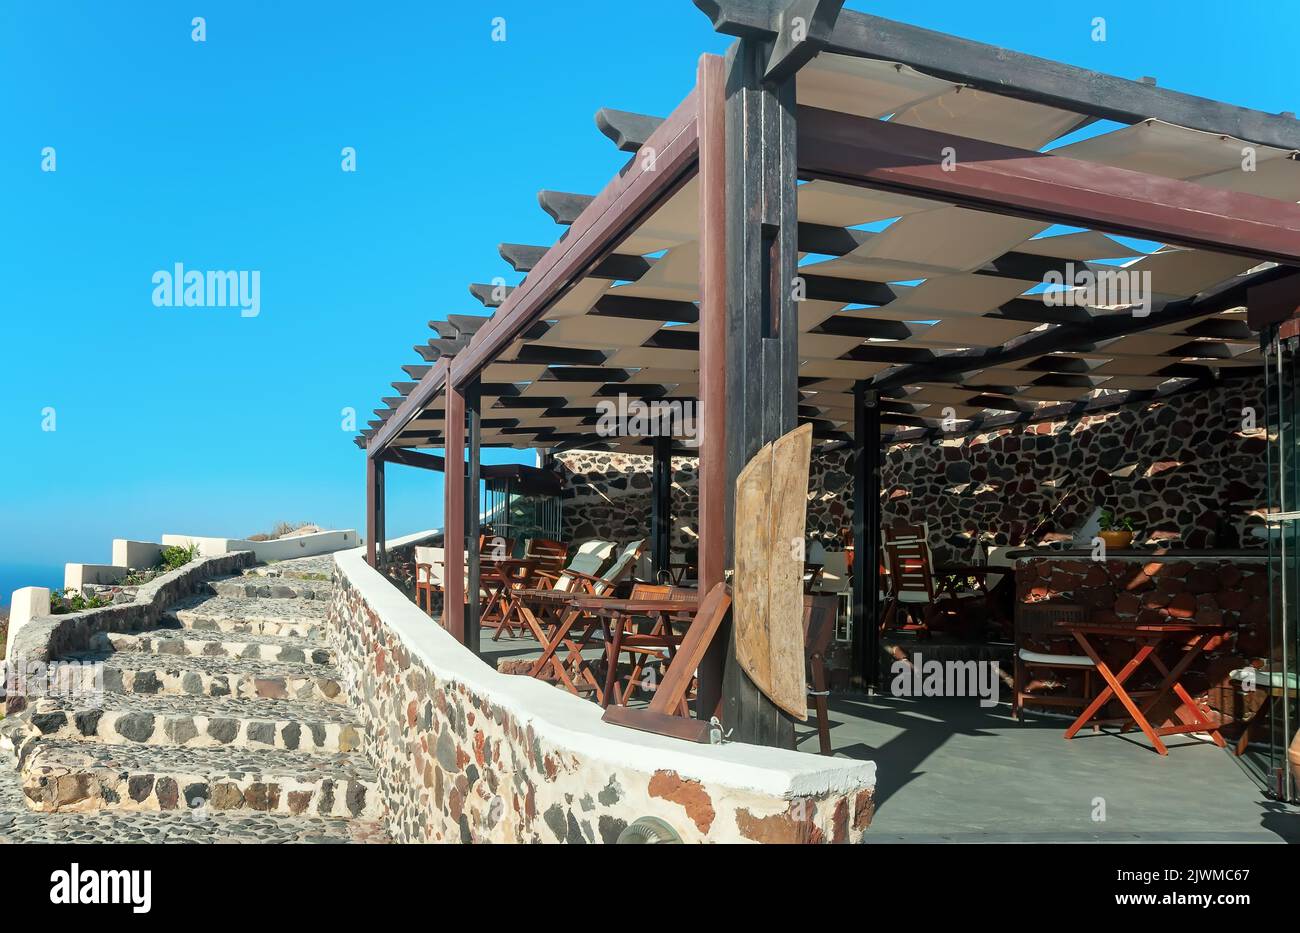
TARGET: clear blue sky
(226,155)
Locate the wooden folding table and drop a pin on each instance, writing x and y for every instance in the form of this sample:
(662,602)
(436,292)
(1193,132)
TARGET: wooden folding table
(1148,639)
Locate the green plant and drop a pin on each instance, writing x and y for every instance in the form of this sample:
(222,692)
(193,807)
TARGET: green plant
(177,555)
(1109,522)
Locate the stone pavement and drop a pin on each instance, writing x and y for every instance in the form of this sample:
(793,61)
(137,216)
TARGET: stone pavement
(227,723)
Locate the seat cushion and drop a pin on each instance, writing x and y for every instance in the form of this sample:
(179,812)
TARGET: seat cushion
(1056,660)
(1268,680)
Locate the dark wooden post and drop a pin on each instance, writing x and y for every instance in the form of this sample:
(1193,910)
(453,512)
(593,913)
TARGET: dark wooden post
(453,538)
(661,502)
(866,535)
(710,93)
(374,510)
(474,606)
(762,322)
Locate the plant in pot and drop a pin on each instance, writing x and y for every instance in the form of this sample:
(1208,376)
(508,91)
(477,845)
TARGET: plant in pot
(1116,532)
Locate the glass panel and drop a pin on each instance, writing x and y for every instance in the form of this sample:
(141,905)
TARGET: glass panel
(1274,705)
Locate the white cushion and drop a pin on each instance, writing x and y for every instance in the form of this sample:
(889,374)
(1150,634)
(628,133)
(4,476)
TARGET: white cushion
(1056,660)
(1265,679)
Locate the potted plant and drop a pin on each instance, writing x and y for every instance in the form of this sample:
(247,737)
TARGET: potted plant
(1116,532)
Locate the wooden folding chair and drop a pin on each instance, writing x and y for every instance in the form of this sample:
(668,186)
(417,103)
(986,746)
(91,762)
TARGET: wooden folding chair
(562,622)
(667,713)
(1036,626)
(533,599)
(428,576)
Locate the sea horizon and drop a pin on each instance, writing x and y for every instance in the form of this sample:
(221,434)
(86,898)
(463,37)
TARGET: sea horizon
(16,576)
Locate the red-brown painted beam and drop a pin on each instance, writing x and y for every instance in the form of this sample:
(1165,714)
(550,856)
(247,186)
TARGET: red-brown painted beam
(859,150)
(711,95)
(601,226)
(453,539)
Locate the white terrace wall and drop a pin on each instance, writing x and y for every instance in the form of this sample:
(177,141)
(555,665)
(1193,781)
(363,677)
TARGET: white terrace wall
(466,754)
(322,542)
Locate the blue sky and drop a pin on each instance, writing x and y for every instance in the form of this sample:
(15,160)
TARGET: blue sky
(226,155)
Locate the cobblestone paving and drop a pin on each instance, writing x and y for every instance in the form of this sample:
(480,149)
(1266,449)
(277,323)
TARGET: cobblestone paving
(319,567)
(199,736)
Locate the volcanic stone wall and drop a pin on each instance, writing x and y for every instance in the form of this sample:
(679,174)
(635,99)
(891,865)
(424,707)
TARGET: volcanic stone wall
(464,754)
(1189,470)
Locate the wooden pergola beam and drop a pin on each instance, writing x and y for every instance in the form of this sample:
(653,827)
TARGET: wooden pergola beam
(1069,337)
(878,154)
(563,206)
(1013,74)
(628,131)
(595,234)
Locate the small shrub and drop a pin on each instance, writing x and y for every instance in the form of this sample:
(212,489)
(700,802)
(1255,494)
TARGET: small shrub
(176,555)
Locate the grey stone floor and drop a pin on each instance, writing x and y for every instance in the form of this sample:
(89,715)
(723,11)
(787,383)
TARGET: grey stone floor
(951,771)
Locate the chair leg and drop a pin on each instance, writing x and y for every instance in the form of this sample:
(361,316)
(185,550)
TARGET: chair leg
(1018,679)
(819,702)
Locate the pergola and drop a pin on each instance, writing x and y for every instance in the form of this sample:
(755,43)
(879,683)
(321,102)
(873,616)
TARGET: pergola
(843,225)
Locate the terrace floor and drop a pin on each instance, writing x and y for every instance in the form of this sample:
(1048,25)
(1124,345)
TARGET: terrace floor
(949,770)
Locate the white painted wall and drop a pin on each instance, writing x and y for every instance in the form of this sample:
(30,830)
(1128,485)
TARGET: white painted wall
(27,603)
(75,576)
(323,542)
(138,555)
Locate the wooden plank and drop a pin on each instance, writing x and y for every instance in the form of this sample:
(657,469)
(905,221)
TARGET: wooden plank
(771,509)
(695,644)
(850,149)
(675,727)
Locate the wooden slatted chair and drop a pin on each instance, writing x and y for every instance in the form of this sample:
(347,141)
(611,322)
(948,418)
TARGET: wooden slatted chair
(534,599)
(1037,625)
(428,576)
(913,591)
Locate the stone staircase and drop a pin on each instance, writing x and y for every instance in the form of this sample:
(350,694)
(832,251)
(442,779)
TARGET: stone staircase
(228,722)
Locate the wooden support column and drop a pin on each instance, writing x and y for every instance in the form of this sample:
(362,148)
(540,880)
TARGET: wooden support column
(375,548)
(474,606)
(453,538)
(661,504)
(866,535)
(713,490)
(762,362)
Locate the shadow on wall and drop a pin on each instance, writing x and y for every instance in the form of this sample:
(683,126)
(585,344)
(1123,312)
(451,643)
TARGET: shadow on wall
(1186,470)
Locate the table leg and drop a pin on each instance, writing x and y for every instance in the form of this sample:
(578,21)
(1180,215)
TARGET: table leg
(1115,687)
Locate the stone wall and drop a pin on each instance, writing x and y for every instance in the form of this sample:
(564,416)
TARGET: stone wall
(1183,468)
(1233,593)
(466,754)
(45,638)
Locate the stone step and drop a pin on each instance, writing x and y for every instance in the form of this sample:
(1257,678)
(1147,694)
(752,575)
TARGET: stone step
(152,674)
(180,642)
(72,776)
(317,569)
(289,618)
(263,587)
(197,722)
